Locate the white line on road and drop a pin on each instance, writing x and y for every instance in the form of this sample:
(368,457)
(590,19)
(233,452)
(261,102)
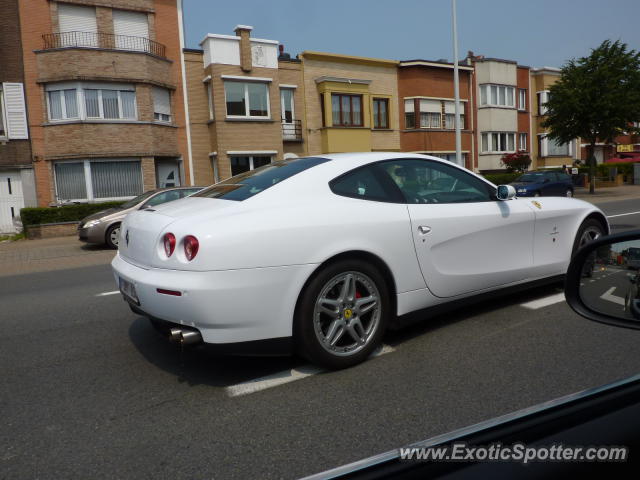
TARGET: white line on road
(544,302)
(104,294)
(622,214)
(285,376)
(612,298)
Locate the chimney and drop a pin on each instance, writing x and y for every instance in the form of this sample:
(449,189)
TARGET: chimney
(244,32)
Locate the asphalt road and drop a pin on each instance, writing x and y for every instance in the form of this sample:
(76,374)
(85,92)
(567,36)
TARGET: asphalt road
(89,390)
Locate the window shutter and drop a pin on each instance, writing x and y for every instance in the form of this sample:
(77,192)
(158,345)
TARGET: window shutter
(432,106)
(75,18)
(133,24)
(450,107)
(408,106)
(15,110)
(161,101)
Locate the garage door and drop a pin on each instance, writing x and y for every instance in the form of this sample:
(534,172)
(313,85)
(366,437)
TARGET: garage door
(11,200)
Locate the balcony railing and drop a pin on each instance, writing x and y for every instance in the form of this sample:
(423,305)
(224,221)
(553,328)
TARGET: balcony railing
(292,131)
(102,40)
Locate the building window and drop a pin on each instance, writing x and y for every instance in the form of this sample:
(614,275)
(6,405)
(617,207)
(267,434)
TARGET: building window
(208,88)
(89,180)
(522,142)
(450,115)
(550,148)
(497,95)
(346,110)
(3,131)
(450,157)
(161,105)
(522,99)
(497,142)
(247,99)
(543,98)
(83,102)
(244,163)
(380,113)
(322,112)
(430,113)
(286,105)
(409,114)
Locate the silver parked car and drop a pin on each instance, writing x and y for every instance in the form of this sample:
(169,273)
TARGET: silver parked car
(104,227)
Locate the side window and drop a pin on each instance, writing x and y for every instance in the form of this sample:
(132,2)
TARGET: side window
(424,181)
(365,183)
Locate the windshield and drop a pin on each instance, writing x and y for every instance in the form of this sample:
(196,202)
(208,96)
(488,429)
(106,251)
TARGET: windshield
(531,177)
(135,201)
(248,184)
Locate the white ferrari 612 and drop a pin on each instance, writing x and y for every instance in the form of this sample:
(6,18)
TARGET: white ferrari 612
(322,254)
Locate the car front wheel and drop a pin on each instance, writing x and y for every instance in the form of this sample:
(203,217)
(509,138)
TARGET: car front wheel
(342,315)
(113,236)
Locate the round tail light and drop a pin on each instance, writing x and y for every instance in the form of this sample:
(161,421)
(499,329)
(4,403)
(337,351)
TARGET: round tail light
(169,243)
(191,245)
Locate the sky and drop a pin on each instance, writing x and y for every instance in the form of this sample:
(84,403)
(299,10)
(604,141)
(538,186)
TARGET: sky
(533,32)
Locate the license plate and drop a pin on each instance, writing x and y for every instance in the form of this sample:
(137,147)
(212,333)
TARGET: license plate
(128,290)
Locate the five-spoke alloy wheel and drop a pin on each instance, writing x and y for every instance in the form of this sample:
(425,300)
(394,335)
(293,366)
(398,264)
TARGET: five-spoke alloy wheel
(342,314)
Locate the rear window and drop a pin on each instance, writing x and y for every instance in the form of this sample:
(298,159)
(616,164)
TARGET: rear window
(250,183)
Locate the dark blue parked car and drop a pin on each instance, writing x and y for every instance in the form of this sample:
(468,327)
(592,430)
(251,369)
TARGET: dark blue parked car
(536,184)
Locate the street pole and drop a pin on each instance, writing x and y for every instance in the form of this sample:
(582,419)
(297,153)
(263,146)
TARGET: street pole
(456,86)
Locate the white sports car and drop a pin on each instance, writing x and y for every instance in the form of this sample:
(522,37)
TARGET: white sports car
(324,253)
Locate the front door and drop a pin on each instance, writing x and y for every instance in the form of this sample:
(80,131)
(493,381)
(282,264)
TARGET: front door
(167,173)
(465,240)
(11,200)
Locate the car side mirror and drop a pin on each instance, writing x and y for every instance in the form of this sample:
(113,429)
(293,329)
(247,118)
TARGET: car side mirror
(602,282)
(505,192)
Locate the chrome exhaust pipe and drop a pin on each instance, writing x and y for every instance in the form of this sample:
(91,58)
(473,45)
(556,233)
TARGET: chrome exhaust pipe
(175,335)
(190,337)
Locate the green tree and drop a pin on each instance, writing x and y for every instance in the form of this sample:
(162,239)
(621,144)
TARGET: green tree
(596,98)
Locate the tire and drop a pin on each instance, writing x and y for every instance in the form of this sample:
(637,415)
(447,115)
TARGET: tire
(112,236)
(537,194)
(588,231)
(568,193)
(326,333)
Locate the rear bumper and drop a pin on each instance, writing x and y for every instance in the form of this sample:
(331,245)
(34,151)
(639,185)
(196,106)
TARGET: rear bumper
(226,307)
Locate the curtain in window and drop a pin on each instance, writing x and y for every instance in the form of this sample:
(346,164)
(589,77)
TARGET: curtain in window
(110,104)
(335,109)
(483,95)
(55,107)
(346,111)
(384,115)
(409,115)
(234,93)
(91,103)
(258,99)
(485,142)
(116,179)
(128,101)
(557,148)
(71,103)
(357,110)
(286,95)
(494,95)
(70,182)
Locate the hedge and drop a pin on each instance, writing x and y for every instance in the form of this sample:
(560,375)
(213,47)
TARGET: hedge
(501,178)
(68,213)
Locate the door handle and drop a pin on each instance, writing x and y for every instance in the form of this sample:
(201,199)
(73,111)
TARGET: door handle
(423,229)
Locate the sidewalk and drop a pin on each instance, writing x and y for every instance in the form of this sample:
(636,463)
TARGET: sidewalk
(29,256)
(610,194)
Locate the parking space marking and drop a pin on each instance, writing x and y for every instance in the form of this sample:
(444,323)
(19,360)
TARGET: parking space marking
(104,294)
(544,301)
(622,214)
(286,376)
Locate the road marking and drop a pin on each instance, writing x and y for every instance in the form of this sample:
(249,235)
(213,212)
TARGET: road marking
(612,298)
(622,214)
(544,301)
(286,376)
(104,294)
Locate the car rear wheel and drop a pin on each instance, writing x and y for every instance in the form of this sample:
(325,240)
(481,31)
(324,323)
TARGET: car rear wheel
(112,236)
(342,315)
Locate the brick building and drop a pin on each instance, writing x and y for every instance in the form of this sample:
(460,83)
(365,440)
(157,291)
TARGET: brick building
(427,110)
(104,94)
(245,102)
(17,187)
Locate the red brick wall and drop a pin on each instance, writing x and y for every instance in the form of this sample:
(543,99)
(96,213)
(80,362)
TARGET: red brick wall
(524,123)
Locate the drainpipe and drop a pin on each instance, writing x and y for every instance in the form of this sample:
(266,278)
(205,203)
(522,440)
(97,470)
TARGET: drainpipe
(184,91)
